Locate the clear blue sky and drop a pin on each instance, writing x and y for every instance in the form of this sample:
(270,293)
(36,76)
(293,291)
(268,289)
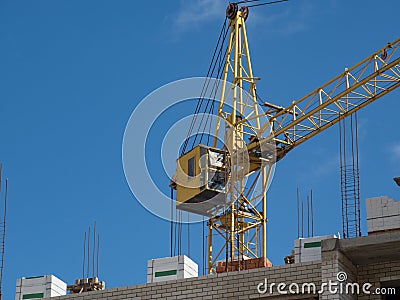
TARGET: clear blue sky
(71,72)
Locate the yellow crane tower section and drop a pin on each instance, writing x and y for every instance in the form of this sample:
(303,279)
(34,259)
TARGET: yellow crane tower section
(229,184)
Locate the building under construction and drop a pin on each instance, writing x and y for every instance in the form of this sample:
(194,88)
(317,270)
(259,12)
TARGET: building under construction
(365,267)
(227,184)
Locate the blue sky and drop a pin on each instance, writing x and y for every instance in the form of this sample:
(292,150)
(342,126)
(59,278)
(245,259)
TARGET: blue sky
(71,72)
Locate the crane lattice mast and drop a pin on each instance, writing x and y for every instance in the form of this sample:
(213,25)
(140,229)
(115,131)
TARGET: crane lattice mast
(229,184)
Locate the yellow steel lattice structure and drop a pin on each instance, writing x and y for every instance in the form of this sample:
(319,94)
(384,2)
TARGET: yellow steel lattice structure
(241,226)
(240,215)
(348,92)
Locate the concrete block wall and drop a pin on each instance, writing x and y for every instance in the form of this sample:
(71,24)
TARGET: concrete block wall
(374,259)
(39,287)
(233,285)
(170,268)
(383,213)
(309,249)
(333,263)
(377,274)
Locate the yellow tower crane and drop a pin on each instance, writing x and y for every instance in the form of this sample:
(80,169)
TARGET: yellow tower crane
(228,183)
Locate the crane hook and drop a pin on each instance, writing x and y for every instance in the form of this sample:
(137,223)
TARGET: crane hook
(384,54)
(231,10)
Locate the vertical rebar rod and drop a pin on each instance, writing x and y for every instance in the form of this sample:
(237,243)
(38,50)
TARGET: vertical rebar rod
(175,231)
(203,248)
(302,219)
(172,221)
(94,248)
(180,233)
(88,254)
(308,216)
(349,169)
(227,241)
(312,214)
(358,177)
(1,271)
(3,238)
(345,178)
(341,175)
(188,233)
(84,256)
(98,255)
(354,179)
(298,213)
(1,178)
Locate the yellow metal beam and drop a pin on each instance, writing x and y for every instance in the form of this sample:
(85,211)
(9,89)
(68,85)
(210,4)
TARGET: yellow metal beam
(348,92)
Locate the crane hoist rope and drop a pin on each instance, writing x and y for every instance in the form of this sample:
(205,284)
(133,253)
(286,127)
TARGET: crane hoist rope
(210,73)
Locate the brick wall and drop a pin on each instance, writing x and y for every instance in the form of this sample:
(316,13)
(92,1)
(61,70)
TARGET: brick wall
(234,285)
(334,262)
(383,213)
(376,274)
(336,256)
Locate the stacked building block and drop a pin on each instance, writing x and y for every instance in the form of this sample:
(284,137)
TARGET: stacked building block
(40,287)
(383,214)
(171,268)
(242,264)
(309,249)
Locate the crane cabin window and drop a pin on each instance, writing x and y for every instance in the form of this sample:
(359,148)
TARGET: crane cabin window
(191,167)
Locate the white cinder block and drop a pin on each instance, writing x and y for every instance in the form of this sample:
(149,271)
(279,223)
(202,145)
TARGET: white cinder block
(189,274)
(369,225)
(382,214)
(194,269)
(34,281)
(48,286)
(166,266)
(19,282)
(303,254)
(165,260)
(149,263)
(171,268)
(56,283)
(55,290)
(55,293)
(165,278)
(191,263)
